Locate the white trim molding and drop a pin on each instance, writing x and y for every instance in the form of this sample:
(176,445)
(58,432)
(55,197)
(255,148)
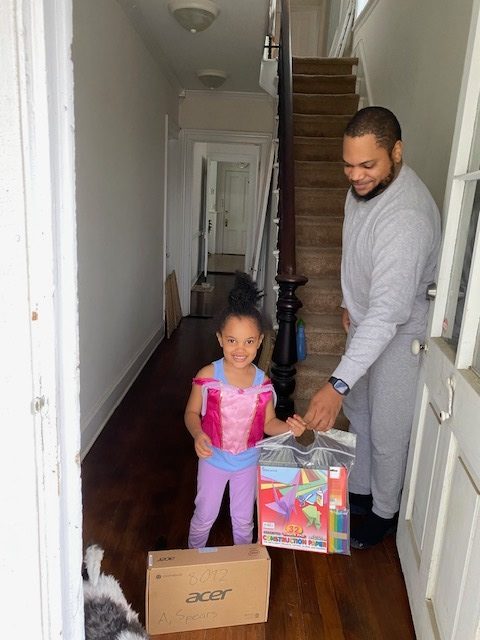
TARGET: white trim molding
(363,88)
(41,489)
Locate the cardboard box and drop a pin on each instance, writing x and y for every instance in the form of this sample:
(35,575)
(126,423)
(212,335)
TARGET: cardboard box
(204,588)
(303,509)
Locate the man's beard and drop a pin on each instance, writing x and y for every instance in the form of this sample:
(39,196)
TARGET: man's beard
(380,187)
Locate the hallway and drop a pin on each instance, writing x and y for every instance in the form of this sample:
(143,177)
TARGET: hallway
(139,487)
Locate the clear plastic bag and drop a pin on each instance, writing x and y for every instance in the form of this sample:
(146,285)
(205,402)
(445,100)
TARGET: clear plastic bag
(303,491)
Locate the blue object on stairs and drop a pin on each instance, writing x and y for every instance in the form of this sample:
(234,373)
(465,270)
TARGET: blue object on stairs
(301,342)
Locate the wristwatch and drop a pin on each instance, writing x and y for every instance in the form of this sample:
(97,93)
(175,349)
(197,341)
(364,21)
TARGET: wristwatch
(340,386)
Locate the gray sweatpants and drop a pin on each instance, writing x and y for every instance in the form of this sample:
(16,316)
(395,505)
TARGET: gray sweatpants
(380,409)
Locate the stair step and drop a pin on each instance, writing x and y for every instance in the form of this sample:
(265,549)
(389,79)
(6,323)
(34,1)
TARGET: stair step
(319,262)
(312,373)
(324,100)
(320,295)
(319,174)
(310,148)
(328,126)
(319,104)
(317,231)
(308,83)
(330,323)
(320,201)
(323,66)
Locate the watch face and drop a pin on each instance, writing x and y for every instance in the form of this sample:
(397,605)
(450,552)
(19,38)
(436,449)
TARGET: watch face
(340,386)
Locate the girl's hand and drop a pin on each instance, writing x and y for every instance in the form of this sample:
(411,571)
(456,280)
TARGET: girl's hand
(297,425)
(203,445)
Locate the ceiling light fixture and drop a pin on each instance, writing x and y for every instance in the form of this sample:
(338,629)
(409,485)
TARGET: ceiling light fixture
(194,15)
(212,78)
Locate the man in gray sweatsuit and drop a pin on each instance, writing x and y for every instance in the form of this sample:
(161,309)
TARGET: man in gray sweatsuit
(391,237)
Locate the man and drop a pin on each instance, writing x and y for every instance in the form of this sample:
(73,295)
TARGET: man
(391,237)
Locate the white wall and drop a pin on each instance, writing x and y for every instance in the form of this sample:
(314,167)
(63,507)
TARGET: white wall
(121,99)
(227,111)
(334,11)
(414,59)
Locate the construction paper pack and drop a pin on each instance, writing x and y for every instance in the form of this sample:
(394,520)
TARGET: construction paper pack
(300,506)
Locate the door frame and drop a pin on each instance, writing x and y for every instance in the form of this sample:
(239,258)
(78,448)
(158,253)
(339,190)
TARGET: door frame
(458,167)
(455,364)
(223,145)
(37,36)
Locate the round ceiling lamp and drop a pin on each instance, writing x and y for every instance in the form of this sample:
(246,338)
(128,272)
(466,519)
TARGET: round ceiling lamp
(194,15)
(212,78)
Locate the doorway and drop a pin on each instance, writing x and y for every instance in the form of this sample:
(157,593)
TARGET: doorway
(227,201)
(216,147)
(233,203)
(227,206)
(223,207)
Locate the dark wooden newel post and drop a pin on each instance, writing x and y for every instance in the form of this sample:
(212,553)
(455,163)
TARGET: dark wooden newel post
(284,354)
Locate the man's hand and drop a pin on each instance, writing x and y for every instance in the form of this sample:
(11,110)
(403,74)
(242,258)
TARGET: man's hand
(323,409)
(345,320)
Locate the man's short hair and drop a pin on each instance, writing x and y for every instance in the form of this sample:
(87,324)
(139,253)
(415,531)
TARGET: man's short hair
(378,121)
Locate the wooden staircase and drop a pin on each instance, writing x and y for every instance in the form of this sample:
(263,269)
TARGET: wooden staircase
(324,100)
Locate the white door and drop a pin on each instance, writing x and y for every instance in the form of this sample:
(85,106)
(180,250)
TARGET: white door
(308,27)
(233,202)
(40,491)
(439,527)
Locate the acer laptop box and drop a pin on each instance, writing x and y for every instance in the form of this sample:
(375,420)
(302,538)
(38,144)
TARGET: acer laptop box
(191,589)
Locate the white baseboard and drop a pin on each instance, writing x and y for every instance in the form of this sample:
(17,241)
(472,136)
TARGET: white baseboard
(101,412)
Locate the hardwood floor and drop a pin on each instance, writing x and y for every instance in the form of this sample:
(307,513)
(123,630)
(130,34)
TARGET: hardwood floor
(139,486)
(225,263)
(205,304)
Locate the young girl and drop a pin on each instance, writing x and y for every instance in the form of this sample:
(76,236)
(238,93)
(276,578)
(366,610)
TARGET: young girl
(229,410)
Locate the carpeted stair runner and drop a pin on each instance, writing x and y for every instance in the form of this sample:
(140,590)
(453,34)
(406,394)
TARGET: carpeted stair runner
(324,101)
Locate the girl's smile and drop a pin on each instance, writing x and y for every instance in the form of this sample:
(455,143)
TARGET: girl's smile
(240,339)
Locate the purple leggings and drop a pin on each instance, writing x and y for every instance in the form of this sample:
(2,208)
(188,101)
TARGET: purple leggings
(211,483)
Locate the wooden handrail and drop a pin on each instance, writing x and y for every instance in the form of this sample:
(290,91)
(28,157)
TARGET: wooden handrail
(284,354)
(286,237)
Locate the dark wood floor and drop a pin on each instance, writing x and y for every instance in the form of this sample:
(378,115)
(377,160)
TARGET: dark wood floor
(139,485)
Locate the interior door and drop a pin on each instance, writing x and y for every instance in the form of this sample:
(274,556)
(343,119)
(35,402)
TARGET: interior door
(233,200)
(308,26)
(439,526)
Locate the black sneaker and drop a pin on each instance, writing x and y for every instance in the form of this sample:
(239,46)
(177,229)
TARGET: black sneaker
(372,530)
(360,505)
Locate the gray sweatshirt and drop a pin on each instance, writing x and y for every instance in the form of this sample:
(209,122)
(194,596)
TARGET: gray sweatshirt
(390,249)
